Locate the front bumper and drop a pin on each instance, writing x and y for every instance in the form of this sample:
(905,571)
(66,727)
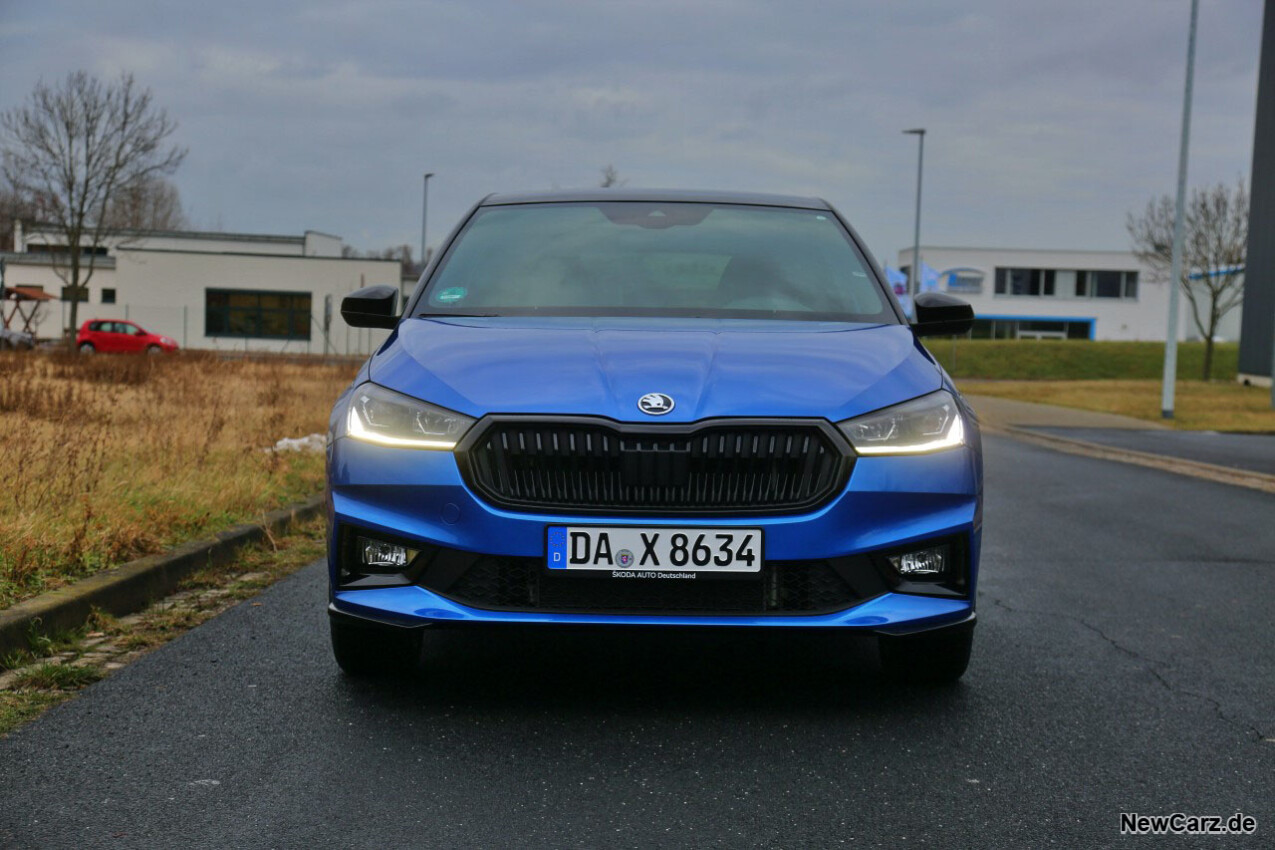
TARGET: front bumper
(888,503)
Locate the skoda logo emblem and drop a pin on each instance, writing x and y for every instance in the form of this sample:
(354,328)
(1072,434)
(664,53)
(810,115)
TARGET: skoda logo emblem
(656,404)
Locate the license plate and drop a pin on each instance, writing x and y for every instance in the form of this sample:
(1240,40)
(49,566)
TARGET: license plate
(654,550)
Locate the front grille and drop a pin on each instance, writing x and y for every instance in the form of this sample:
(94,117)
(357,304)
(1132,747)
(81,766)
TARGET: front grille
(793,587)
(587,465)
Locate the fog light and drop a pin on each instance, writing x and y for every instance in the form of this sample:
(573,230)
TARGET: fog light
(923,563)
(379,556)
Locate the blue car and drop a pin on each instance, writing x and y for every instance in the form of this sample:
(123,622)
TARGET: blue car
(661,409)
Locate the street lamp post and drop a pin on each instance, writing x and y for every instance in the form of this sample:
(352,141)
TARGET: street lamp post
(914,276)
(1175,266)
(424,214)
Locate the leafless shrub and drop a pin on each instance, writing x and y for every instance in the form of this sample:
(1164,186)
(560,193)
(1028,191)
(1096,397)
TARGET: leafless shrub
(1214,247)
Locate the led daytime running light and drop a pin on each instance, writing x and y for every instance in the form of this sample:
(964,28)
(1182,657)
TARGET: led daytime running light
(954,437)
(358,431)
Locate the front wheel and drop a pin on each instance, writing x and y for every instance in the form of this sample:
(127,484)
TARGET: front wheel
(936,657)
(87,348)
(154,349)
(375,650)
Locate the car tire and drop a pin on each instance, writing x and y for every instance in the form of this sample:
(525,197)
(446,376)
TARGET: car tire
(154,349)
(934,658)
(87,348)
(372,651)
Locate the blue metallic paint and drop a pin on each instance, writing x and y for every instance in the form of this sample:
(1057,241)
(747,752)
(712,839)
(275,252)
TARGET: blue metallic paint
(414,605)
(600,367)
(603,367)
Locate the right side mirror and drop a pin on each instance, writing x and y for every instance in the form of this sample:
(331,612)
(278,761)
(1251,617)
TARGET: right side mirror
(940,314)
(371,307)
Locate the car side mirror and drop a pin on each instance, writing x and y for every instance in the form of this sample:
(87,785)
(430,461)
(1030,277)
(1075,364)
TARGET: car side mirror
(940,314)
(371,307)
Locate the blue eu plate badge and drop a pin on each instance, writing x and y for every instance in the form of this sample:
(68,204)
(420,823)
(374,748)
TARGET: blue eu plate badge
(557,547)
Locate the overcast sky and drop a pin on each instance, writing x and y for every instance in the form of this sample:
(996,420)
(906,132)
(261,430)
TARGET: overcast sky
(1047,121)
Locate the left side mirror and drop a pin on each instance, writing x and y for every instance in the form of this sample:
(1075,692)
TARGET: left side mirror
(371,307)
(940,314)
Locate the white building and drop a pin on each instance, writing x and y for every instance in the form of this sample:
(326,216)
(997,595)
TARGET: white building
(1015,293)
(210,290)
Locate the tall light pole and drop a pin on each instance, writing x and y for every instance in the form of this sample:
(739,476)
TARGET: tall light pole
(424,214)
(914,276)
(1175,266)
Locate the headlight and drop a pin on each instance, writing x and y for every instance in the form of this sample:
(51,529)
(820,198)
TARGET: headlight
(930,423)
(382,416)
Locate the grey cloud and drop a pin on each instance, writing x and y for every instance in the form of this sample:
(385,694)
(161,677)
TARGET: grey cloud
(1048,121)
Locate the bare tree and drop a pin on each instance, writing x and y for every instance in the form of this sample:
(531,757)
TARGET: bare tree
(401,253)
(12,208)
(1214,244)
(71,148)
(611,177)
(151,204)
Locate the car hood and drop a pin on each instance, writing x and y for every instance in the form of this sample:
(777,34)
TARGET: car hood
(602,367)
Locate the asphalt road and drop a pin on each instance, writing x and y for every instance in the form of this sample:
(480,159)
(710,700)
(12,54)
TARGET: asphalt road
(1252,452)
(1125,661)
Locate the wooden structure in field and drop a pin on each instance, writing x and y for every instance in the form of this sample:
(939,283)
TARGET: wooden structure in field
(20,308)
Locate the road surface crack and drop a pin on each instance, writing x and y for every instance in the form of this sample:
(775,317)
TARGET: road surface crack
(1151,665)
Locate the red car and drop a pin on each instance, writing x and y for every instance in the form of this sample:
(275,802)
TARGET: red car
(112,337)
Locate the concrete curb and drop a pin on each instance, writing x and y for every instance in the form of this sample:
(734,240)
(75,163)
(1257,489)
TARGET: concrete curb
(132,586)
(1194,468)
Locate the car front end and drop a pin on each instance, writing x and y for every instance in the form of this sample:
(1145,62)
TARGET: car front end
(597,466)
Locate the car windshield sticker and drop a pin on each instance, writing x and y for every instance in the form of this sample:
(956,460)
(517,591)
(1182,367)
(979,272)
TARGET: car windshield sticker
(451,295)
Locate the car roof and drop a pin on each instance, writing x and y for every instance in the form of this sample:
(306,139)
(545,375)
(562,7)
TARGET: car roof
(693,196)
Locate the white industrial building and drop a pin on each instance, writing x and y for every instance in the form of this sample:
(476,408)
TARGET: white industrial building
(1018,294)
(259,292)
(209,290)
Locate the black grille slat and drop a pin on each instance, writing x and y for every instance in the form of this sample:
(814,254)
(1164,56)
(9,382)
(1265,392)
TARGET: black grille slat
(705,468)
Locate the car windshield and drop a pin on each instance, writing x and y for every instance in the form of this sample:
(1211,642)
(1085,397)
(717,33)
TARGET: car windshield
(656,259)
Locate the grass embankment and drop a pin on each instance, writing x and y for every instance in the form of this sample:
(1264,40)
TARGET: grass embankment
(55,668)
(104,459)
(1077,360)
(1111,377)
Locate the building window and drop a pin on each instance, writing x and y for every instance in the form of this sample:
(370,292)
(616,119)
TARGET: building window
(966,281)
(1031,328)
(85,250)
(256,313)
(1024,281)
(1106,284)
(108,296)
(75,293)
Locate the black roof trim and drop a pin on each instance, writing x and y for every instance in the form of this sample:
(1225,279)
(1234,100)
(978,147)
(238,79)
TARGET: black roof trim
(692,196)
(134,250)
(45,227)
(43,259)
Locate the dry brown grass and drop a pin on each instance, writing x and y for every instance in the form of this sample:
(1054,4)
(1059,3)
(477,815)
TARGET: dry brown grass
(104,459)
(1211,406)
